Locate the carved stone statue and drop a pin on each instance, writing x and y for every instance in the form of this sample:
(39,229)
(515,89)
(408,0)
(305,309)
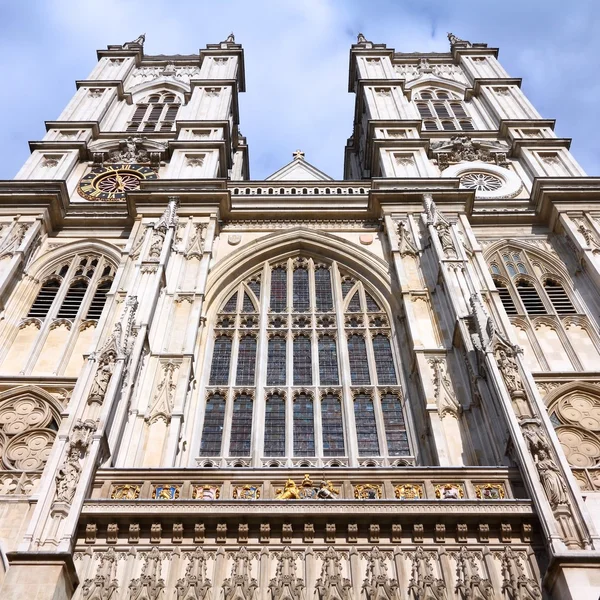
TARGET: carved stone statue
(67,477)
(326,490)
(101,380)
(130,151)
(443,231)
(289,492)
(551,479)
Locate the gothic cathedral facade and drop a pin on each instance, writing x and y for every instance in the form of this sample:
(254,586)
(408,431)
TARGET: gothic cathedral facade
(385,387)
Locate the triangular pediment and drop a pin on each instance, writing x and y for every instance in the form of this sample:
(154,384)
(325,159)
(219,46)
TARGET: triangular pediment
(299,170)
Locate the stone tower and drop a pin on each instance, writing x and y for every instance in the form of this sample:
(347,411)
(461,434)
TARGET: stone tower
(379,388)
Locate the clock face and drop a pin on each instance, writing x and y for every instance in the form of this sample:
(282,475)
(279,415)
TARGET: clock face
(113,182)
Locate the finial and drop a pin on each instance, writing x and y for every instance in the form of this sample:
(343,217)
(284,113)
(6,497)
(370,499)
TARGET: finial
(298,155)
(230,38)
(139,41)
(454,41)
(361,39)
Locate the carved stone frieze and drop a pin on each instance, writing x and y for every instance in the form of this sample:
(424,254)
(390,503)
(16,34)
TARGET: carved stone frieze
(194,585)
(332,585)
(286,585)
(240,585)
(462,148)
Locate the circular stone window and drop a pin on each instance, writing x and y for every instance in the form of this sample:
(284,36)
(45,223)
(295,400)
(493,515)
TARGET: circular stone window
(482,182)
(489,181)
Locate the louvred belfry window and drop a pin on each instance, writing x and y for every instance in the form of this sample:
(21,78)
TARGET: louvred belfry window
(307,367)
(442,109)
(157,112)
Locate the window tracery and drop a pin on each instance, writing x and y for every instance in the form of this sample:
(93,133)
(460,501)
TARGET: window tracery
(441,109)
(312,372)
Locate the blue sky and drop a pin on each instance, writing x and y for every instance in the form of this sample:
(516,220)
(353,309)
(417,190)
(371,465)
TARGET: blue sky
(297,61)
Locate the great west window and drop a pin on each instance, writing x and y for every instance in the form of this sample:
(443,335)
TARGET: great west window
(303,372)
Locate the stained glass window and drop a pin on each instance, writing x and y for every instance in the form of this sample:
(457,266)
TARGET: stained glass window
(301,290)
(246,363)
(333,426)
(302,361)
(247,305)
(219,370)
(323,289)
(372,306)
(254,285)
(278,289)
(347,285)
(366,427)
(231,304)
(384,362)
(328,365)
(359,366)
(395,427)
(276,363)
(212,430)
(304,426)
(241,426)
(275,425)
(354,304)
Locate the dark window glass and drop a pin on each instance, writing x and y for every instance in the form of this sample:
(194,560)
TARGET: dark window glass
(467,126)
(372,306)
(333,426)
(323,290)
(395,426)
(254,285)
(304,426)
(359,367)
(347,285)
(246,364)
(328,365)
(448,126)
(441,110)
(384,363)
(302,361)
(138,117)
(430,126)
(301,290)
(241,426)
(212,430)
(155,113)
(221,359)
(559,298)
(98,301)
(278,289)
(458,110)
(275,426)
(366,428)
(276,366)
(73,299)
(247,305)
(530,298)
(231,304)
(354,304)
(44,299)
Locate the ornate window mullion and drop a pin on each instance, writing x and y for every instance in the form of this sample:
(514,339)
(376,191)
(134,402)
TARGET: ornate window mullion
(344,361)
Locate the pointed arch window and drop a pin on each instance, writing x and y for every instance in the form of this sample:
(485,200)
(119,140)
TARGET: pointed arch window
(442,109)
(45,298)
(309,370)
(530,298)
(212,431)
(559,298)
(99,300)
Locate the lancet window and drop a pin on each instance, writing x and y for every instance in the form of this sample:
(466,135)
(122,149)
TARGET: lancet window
(442,109)
(304,367)
(157,112)
(550,322)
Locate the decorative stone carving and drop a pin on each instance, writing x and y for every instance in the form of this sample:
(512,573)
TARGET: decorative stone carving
(462,148)
(505,358)
(127,491)
(13,240)
(166,491)
(168,220)
(286,585)
(246,492)
(102,378)
(406,246)
(240,586)
(377,584)
(206,492)
(149,585)
(135,149)
(368,491)
(195,585)
(449,491)
(426,69)
(588,236)
(423,583)
(331,585)
(307,489)
(195,247)
(162,404)
(118,343)
(139,41)
(515,582)
(440,225)
(469,584)
(444,394)
(104,585)
(490,491)
(67,477)
(456,41)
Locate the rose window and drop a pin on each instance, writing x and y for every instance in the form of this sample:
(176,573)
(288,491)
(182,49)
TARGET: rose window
(482,182)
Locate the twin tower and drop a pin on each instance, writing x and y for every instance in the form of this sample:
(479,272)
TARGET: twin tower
(384,387)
